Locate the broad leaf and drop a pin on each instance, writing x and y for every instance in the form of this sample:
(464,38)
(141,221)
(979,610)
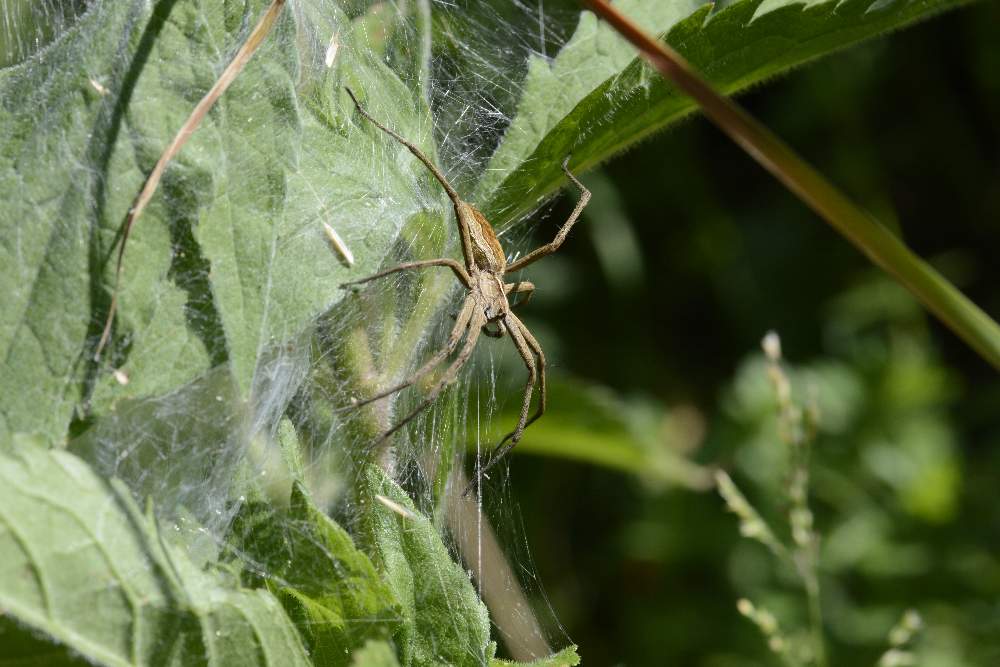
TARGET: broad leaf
(740,44)
(553,88)
(230,259)
(329,588)
(82,568)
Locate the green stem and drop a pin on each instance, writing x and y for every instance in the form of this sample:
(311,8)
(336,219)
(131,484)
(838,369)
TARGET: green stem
(952,307)
(815,618)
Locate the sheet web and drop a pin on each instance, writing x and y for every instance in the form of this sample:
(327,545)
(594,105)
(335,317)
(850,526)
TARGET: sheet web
(235,358)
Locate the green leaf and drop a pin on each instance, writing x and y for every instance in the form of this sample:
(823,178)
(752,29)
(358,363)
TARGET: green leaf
(567,656)
(182,449)
(444,620)
(213,274)
(83,570)
(329,588)
(591,424)
(552,88)
(741,44)
(374,654)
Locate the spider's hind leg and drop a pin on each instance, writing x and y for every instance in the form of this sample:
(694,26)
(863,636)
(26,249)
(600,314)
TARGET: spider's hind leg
(461,325)
(537,349)
(475,326)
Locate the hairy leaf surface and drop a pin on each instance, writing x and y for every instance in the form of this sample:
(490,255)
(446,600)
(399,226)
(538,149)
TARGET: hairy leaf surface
(444,620)
(329,588)
(736,46)
(230,258)
(82,565)
(564,658)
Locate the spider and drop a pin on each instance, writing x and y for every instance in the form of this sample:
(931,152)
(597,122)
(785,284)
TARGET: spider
(485,304)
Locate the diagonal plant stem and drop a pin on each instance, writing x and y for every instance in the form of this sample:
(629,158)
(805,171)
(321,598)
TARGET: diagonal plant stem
(260,31)
(946,302)
(479,547)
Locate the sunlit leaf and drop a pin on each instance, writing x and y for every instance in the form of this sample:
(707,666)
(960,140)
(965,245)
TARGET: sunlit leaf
(329,588)
(563,658)
(742,43)
(213,272)
(444,620)
(83,568)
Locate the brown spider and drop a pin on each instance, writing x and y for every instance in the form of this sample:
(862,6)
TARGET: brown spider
(486,304)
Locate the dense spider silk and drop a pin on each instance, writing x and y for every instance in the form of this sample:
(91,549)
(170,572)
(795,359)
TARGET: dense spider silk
(232,339)
(28,25)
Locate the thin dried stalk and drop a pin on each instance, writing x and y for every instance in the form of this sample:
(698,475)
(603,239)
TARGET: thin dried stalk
(260,31)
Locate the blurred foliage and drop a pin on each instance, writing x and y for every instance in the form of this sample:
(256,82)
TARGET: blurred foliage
(662,297)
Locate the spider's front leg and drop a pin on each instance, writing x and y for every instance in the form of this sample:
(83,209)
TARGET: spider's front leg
(550,248)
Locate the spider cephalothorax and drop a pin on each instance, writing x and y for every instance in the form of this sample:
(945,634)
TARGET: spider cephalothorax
(486,302)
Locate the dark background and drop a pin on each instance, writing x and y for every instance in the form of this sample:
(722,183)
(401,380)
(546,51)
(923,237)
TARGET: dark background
(908,125)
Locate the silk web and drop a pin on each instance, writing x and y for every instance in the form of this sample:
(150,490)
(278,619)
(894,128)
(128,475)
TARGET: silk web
(235,356)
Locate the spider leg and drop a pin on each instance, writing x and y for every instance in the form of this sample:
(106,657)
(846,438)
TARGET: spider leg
(419,154)
(450,263)
(475,326)
(487,331)
(461,208)
(461,324)
(537,349)
(515,328)
(550,248)
(520,287)
(527,345)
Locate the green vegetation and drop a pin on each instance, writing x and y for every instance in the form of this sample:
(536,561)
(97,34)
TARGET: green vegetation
(203,494)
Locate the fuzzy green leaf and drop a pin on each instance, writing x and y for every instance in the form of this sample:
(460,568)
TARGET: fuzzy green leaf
(330,589)
(553,88)
(444,620)
(230,259)
(739,45)
(82,570)
(564,658)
